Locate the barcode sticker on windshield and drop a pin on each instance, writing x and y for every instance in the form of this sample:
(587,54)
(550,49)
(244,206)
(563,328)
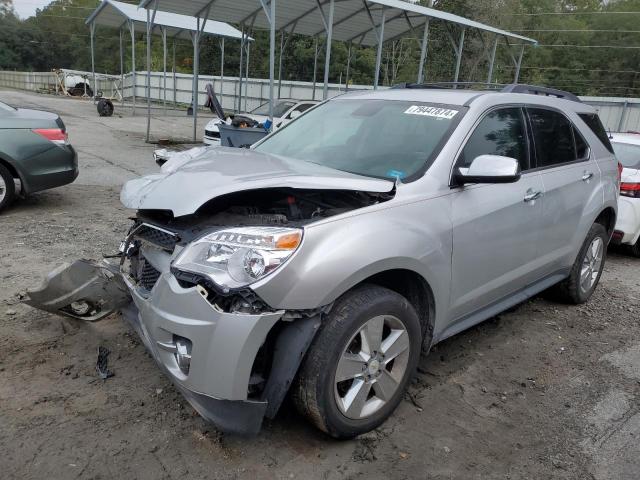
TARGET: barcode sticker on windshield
(431,111)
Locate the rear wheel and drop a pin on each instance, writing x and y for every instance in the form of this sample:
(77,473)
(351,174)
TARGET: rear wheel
(635,249)
(360,363)
(7,187)
(587,269)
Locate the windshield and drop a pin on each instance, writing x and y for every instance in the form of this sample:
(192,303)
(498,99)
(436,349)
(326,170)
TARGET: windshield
(378,138)
(628,155)
(280,107)
(5,107)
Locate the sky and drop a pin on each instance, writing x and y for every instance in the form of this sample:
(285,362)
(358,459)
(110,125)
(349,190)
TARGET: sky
(26,8)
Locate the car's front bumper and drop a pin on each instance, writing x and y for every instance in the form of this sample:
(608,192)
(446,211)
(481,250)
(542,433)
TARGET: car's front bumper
(628,221)
(224,347)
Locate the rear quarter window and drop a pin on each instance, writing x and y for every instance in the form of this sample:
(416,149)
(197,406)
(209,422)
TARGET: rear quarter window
(595,124)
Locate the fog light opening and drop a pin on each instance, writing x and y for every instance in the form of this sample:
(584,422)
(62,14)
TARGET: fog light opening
(183,353)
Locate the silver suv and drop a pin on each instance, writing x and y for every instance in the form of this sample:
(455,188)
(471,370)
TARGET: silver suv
(326,259)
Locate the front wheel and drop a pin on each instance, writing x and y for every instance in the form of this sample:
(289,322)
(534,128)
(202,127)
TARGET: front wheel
(360,363)
(587,269)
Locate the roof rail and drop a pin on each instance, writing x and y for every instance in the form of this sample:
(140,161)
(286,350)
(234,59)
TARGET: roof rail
(537,90)
(451,85)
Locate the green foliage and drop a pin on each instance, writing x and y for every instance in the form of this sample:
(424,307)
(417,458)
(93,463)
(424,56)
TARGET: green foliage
(57,37)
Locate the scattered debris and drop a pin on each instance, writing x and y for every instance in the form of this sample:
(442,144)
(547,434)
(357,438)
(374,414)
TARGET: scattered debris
(11,312)
(102,365)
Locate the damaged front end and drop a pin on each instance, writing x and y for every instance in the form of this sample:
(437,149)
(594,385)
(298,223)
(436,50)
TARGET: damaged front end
(185,274)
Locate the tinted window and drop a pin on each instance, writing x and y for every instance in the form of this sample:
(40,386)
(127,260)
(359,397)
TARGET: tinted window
(304,107)
(581,145)
(593,122)
(553,137)
(501,132)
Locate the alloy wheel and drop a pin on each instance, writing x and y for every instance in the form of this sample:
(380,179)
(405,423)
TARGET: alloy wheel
(591,264)
(371,367)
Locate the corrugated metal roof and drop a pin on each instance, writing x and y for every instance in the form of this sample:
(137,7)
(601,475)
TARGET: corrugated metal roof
(112,13)
(351,18)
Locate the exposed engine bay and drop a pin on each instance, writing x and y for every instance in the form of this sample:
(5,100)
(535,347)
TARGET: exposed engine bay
(275,206)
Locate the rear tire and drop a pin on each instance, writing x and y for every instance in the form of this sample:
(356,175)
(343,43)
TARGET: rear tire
(7,188)
(635,249)
(374,374)
(585,274)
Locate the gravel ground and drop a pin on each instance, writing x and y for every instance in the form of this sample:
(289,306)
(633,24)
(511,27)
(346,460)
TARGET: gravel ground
(542,391)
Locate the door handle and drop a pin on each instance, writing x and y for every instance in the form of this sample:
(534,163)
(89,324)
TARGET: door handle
(587,176)
(532,195)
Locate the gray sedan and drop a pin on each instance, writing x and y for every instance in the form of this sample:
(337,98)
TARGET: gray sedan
(35,153)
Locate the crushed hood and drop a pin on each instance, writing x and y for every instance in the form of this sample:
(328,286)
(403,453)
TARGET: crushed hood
(216,171)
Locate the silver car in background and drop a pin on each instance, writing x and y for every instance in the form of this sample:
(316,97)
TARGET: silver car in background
(326,259)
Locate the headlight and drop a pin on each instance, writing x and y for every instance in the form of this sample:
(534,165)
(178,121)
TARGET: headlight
(238,257)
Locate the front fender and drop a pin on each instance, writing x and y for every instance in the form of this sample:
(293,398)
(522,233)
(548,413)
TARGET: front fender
(338,253)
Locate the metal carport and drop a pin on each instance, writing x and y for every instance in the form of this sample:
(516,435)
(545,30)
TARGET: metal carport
(119,15)
(367,22)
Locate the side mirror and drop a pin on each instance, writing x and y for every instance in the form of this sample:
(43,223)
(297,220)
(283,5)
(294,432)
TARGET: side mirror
(295,114)
(489,169)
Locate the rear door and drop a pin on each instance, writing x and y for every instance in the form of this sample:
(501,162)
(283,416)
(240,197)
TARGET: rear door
(495,226)
(570,176)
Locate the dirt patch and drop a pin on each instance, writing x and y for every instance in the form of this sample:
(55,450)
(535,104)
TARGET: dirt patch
(542,391)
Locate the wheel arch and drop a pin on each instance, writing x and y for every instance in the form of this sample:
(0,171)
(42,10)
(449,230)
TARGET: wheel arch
(415,288)
(13,170)
(607,218)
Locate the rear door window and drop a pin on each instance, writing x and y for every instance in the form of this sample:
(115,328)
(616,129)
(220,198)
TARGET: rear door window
(553,138)
(500,132)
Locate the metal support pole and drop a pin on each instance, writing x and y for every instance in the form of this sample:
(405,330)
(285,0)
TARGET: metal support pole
(423,52)
(133,66)
(518,64)
(222,71)
(492,60)
(327,53)
(346,82)
(239,100)
(151,17)
(246,74)
(315,69)
(272,57)
(164,69)
(175,102)
(376,79)
(121,68)
(195,38)
(459,55)
(92,29)
(280,63)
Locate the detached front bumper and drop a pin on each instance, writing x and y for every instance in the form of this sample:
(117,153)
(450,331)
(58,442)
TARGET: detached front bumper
(224,346)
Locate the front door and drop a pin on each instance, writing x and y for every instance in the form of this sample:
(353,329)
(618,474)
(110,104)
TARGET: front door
(495,226)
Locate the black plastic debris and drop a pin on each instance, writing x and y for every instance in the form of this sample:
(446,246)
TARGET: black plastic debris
(102,365)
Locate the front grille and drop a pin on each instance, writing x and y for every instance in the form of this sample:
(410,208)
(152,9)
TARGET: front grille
(147,274)
(160,238)
(211,134)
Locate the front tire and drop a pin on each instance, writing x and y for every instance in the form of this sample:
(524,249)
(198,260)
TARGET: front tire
(587,269)
(360,362)
(7,188)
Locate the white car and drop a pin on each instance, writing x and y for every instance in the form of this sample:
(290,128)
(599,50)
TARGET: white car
(284,110)
(627,230)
